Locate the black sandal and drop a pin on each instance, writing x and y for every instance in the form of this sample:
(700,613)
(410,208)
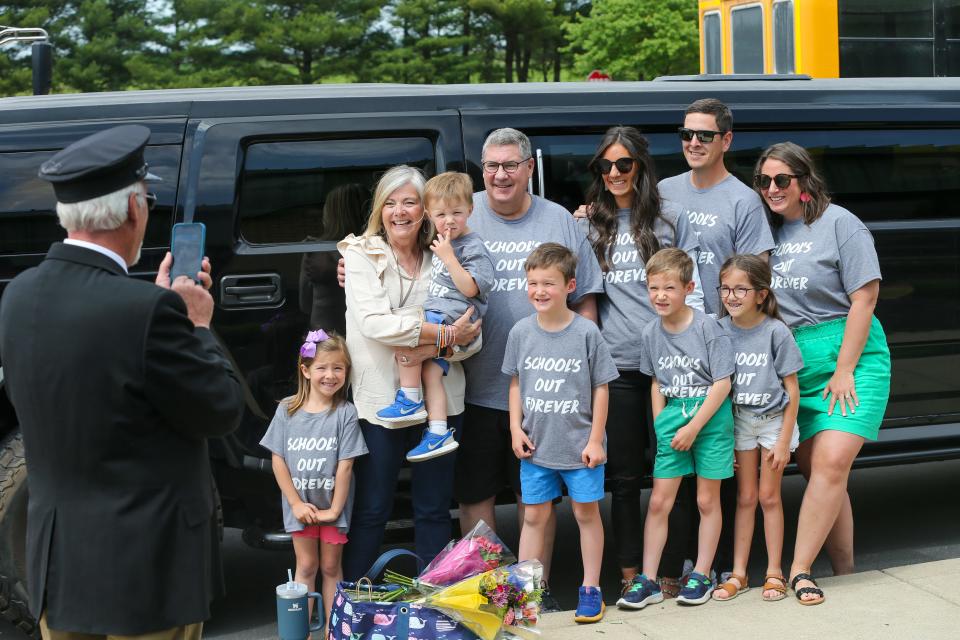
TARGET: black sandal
(815,590)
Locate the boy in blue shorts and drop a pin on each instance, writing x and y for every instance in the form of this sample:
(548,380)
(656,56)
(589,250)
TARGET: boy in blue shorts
(560,367)
(690,358)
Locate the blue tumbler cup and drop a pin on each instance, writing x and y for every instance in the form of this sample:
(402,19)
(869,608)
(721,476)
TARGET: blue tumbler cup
(293,622)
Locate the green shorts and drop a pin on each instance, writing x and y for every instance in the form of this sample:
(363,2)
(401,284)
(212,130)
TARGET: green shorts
(711,455)
(820,346)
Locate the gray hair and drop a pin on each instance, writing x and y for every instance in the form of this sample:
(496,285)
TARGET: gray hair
(103,213)
(506,137)
(395,178)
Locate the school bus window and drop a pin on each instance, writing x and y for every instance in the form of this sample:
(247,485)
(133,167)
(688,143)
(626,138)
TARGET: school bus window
(886,18)
(712,43)
(746,29)
(783,58)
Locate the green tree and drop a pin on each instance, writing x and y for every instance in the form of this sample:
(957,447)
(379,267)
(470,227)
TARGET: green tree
(429,42)
(636,39)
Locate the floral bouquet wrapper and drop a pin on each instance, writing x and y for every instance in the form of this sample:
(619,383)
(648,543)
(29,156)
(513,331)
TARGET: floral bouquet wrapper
(477,552)
(499,604)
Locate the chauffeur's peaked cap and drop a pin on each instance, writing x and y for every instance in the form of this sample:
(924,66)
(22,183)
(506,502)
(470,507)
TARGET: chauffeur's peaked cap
(99,164)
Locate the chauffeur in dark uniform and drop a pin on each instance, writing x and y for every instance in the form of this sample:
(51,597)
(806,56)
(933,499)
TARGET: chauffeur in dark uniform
(117,383)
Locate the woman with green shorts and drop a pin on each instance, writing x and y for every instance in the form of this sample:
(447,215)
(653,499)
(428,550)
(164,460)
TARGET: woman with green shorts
(826,277)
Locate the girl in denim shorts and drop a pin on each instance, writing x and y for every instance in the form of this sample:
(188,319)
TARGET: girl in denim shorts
(765,397)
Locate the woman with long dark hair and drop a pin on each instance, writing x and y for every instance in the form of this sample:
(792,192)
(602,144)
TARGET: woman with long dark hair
(826,276)
(628,223)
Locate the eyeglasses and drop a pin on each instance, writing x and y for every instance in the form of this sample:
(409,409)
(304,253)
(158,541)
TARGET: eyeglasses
(624,165)
(739,293)
(782,180)
(151,200)
(703,135)
(510,166)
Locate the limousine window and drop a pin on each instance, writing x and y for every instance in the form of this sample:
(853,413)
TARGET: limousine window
(28,216)
(880,175)
(285,185)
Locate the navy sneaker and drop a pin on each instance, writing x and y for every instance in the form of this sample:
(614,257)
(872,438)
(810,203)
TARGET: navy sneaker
(642,592)
(549,604)
(433,446)
(590,605)
(403,410)
(697,590)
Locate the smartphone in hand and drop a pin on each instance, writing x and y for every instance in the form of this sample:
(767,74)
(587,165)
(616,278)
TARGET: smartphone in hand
(187,247)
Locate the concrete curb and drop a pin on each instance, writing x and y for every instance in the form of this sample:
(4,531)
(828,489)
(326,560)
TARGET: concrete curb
(922,606)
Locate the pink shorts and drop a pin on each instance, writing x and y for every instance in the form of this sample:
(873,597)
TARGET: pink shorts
(325,533)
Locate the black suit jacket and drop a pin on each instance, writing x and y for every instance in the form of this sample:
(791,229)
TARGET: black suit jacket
(116,393)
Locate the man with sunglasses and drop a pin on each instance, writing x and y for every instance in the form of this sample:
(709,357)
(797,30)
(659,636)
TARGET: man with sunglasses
(512,223)
(729,219)
(117,383)
(727,215)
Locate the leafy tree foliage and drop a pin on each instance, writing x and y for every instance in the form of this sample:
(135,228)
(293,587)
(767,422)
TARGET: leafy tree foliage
(102,45)
(637,39)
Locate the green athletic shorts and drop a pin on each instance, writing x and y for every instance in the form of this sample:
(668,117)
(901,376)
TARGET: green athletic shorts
(710,457)
(820,346)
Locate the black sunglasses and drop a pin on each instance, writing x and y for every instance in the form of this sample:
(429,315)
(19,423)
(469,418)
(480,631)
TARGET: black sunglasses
(151,199)
(623,165)
(782,180)
(703,135)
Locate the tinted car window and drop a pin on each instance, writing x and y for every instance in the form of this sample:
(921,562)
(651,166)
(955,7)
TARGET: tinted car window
(28,218)
(286,185)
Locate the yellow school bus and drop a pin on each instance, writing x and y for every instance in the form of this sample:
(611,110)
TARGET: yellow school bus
(830,38)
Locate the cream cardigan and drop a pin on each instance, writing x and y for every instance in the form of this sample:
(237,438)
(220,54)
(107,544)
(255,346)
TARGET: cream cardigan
(376,325)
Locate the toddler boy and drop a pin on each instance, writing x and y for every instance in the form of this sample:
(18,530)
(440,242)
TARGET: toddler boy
(461,276)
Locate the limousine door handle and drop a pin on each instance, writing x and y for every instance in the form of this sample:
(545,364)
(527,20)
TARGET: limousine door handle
(253,290)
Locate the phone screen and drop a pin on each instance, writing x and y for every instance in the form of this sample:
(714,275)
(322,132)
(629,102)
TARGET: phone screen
(187,248)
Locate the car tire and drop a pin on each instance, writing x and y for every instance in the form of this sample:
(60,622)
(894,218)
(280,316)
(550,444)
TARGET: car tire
(13,536)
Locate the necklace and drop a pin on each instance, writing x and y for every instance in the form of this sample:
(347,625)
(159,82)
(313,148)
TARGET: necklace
(411,280)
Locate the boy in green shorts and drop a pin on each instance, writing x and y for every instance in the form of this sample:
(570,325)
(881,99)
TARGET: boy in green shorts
(690,358)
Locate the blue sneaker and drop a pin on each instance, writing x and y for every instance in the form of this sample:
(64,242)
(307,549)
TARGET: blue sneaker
(433,446)
(642,592)
(697,590)
(590,605)
(403,410)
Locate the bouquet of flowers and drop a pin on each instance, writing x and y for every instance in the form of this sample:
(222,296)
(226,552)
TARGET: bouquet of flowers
(498,604)
(477,552)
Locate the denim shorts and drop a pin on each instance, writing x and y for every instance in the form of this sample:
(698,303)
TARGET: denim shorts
(540,484)
(435,317)
(751,430)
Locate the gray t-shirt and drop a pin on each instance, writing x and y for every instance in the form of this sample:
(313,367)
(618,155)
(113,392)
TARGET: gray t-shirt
(442,293)
(625,306)
(509,243)
(312,444)
(558,371)
(686,364)
(816,267)
(729,219)
(763,356)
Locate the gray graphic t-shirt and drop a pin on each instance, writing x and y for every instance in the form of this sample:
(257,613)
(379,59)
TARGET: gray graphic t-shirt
(442,293)
(763,356)
(729,219)
(816,267)
(686,364)
(312,444)
(509,243)
(625,306)
(558,371)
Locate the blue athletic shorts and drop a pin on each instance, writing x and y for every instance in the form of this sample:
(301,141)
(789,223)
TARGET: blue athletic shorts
(540,484)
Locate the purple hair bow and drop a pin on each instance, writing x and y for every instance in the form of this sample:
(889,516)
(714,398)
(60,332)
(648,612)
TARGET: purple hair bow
(309,348)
